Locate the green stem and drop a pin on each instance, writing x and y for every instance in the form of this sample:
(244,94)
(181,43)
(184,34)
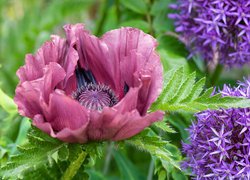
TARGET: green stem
(150,170)
(108,158)
(74,166)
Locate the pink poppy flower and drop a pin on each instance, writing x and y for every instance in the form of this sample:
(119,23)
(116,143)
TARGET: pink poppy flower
(85,88)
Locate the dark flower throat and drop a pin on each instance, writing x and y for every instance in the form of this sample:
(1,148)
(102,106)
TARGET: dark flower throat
(93,95)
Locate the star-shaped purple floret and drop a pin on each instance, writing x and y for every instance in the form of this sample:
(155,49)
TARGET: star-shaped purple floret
(219,145)
(208,27)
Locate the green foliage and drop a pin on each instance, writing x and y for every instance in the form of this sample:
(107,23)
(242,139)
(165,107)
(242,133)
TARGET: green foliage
(26,24)
(154,145)
(138,6)
(182,92)
(7,103)
(50,158)
(164,127)
(126,168)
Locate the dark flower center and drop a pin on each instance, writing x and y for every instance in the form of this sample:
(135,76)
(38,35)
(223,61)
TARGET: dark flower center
(95,96)
(91,94)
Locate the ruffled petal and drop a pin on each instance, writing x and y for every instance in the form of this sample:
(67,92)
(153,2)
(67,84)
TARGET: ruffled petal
(126,39)
(152,82)
(67,135)
(64,112)
(33,69)
(136,123)
(104,125)
(30,95)
(94,55)
(67,58)
(135,52)
(53,75)
(28,98)
(56,51)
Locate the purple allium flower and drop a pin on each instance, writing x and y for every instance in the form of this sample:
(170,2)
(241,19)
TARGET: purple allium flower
(220,140)
(218,30)
(83,88)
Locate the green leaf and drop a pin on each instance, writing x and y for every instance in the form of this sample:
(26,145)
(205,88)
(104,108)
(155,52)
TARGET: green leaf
(178,175)
(138,6)
(164,126)
(95,175)
(172,44)
(7,103)
(182,93)
(126,168)
(32,156)
(46,154)
(74,166)
(153,145)
(63,153)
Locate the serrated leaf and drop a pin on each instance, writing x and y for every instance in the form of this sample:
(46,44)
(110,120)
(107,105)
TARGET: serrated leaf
(153,145)
(46,154)
(164,127)
(185,88)
(182,93)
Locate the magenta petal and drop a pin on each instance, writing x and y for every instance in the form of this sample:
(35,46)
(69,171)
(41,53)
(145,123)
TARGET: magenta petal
(93,55)
(125,46)
(136,123)
(104,125)
(64,112)
(56,51)
(149,93)
(68,135)
(28,98)
(136,52)
(31,95)
(129,102)
(33,69)
(124,40)
(67,58)
(53,75)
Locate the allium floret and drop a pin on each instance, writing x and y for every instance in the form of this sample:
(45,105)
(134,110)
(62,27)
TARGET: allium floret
(220,140)
(217,30)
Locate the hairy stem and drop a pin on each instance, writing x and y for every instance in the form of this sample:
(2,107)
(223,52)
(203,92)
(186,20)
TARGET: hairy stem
(74,166)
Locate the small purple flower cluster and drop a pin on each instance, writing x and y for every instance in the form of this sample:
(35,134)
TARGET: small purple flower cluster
(217,30)
(220,141)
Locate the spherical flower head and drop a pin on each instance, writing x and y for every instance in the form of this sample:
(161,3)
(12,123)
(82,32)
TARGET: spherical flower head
(220,141)
(217,30)
(85,88)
